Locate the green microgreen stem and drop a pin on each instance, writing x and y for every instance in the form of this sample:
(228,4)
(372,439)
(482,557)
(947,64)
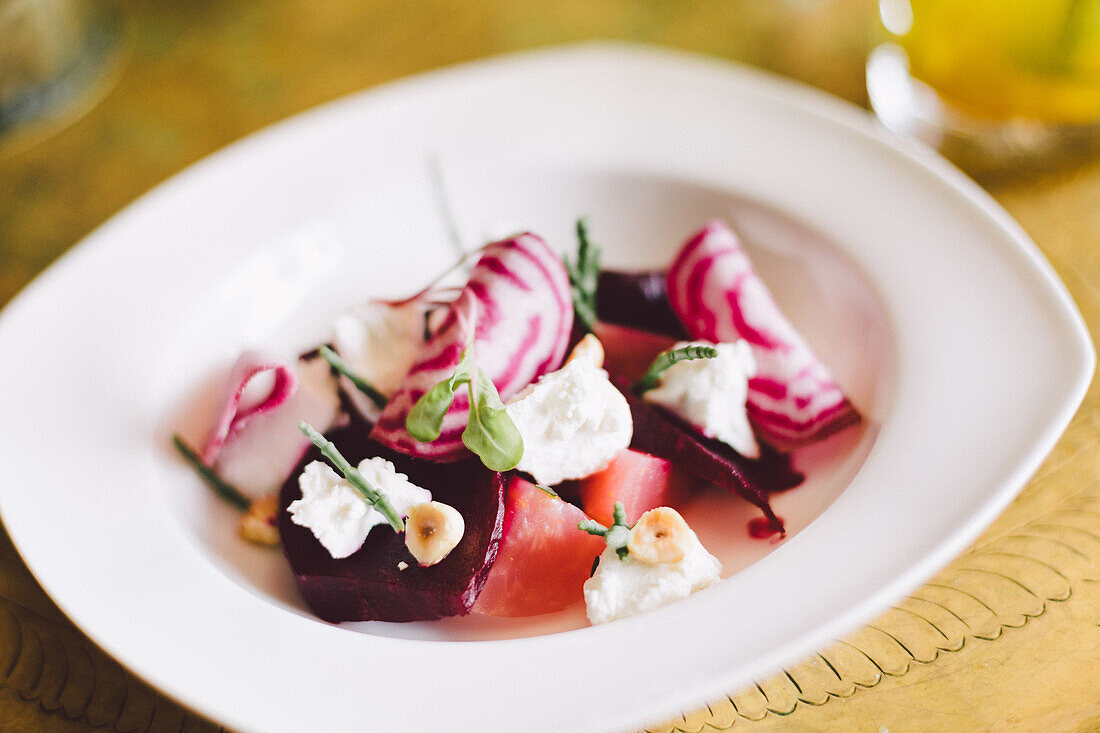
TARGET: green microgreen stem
(584,277)
(666,359)
(361,384)
(617,535)
(546,489)
(373,496)
(221,487)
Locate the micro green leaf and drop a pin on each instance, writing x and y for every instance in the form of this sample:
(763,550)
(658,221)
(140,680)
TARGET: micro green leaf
(221,487)
(374,497)
(584,276)
(666,359)
(425,419)
(490,432)
(360,383)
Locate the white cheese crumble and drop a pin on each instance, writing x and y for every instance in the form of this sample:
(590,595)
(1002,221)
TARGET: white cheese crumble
(338,515)
(380,342)
(710,394)
(621,588)
(573,422)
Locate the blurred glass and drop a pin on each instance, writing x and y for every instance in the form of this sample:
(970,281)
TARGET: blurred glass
(998,85)
(56,60)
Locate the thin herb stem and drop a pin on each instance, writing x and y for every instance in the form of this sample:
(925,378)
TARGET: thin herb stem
(617,536)
(221,487)
(619,513)
(584,277)
(666,359)
(375,497)
(432,286)
(435,173)
(361,384)
(591,526)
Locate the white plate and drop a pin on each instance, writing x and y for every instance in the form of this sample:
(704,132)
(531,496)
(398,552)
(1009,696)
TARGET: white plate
(940,317)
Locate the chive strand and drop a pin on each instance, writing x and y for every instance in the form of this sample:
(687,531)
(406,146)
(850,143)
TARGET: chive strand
(361,384)
(375,497)
(221,487)
(666,359)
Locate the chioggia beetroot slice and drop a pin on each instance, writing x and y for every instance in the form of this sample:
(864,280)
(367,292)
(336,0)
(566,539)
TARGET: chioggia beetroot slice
(255,442)
(370,584)
(518,305)
(236,412)
(544,559)
(793,399)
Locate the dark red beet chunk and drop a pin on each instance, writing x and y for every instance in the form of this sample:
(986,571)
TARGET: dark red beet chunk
(660,433)
(638,300)
(368,585)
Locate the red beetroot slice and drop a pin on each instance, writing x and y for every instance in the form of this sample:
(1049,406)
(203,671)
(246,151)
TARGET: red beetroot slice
(638,300)
(368,585)
(518,305)
(544,559)
(638,480)
(660,433)
(793,399)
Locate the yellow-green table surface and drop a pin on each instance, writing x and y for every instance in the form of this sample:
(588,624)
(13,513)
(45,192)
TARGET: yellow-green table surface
(1005,638)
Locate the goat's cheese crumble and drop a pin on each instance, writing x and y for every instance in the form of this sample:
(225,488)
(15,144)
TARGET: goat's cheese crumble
(621,588)
(573,421)
(338,515)
(710,394)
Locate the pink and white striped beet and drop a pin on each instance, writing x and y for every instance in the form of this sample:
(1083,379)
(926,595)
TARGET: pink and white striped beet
(233,415)
(793,400)
(517,302)
(255,442)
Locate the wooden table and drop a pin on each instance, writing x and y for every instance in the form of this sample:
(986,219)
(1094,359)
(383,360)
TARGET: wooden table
(1006,638)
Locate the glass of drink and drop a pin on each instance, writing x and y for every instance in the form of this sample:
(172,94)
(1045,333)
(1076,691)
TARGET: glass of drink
(997,85)
(56,59)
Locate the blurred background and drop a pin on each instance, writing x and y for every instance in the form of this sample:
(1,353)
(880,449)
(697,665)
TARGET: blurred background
(181,80)
(101,101)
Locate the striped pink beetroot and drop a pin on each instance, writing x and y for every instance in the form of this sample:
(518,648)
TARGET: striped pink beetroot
(234,416)
(518,302)
(793,399)
(255,441)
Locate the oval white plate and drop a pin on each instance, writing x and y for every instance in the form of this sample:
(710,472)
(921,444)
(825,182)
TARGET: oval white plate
(936,312)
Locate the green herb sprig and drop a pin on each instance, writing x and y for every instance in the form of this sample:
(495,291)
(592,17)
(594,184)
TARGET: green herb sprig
(489,432)
(361,384)
(666,359)
(617,535)
(584,275)
(373,496)
(221,487)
